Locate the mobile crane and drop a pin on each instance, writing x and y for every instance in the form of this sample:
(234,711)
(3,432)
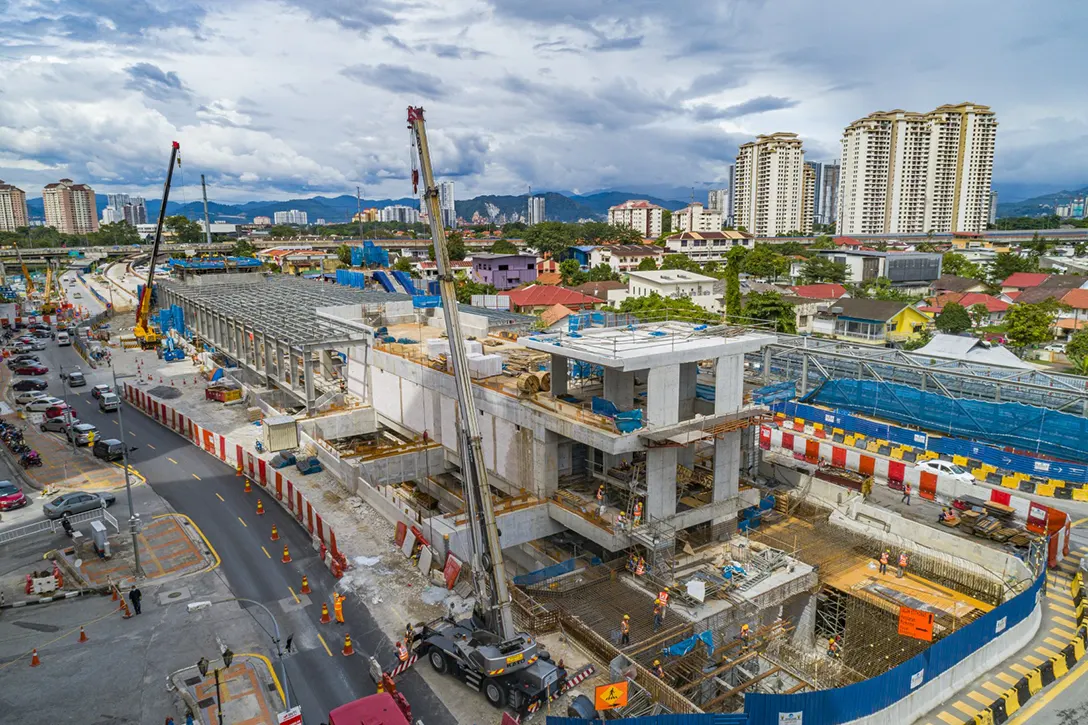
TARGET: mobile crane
(485,651)
(147,334)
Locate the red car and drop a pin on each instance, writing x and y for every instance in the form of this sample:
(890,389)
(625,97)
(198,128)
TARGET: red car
(31,370)
(58,410)
(11,497)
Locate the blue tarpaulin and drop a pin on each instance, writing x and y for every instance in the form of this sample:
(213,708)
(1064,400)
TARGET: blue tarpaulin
(683,647)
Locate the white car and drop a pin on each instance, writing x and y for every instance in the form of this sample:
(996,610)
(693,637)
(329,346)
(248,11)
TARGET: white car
(1056,347)
(43,404)
(29,397)
(945,468)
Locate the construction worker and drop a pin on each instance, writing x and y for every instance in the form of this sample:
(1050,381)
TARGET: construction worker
(638,514)
(402,652)
(409,636)
(902,564)
(658,613)
(640,568)
(745,636)
(663,595)
(621,520)
(338,606)
(659,671)
(833,647)
(632,562)
(884,556)
(906,494)
(600,494)
(625,630)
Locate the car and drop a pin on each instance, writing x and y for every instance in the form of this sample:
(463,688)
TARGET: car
(28,396)
(98,390)
(82,433)
(60,424)
(109,402)
(29,384)
(31,370)
(76,503)
(59,409)
(38,345)
(109,449)
(43,334)
(76,380)
(946,468)
(77,295)
(21,360)
(1055,347)
(20,348)
(11,496)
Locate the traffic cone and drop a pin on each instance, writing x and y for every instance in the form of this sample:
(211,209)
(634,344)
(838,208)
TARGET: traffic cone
(115,597)
(248,487)
(34,661)
(260,508)
(125,614)
(286,555)
(238,470)
(82,635)
(275,533)
(325,618)
(305,585)
(348,649)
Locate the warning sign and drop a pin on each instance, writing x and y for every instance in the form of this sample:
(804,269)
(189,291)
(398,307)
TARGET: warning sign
(609,697)
(291,717)
(916,623)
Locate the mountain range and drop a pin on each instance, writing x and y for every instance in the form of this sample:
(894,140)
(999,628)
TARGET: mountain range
(1038,205)
(340,209)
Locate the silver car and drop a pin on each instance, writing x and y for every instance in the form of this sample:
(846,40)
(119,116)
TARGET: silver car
(60,424)
(29,397)
(82,433)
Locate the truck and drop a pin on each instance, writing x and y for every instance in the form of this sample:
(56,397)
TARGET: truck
(380,709)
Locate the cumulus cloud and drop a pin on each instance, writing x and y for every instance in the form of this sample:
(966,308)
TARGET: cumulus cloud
(154,82)
(397,79)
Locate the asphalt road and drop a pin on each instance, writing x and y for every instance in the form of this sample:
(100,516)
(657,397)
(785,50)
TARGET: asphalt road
(319,677)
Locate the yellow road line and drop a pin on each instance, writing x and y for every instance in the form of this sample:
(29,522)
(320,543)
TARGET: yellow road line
(1045,652)
(1059,598)
(271,671)
(1033,660)
(1067,623)
(1078,522)
(1063,633)
(965,708)
(1019,668)
(950,719)
(1056,643)
(243,523)
(172,460)
(323,644)
(994,688)
(1063,610)
(1007,679)
(980,698)
(266,552)
(1038,703)
(220,498)
(297,600)
(196,477)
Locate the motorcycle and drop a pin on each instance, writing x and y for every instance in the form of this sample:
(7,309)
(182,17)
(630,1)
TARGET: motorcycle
(30,459)
(259,446)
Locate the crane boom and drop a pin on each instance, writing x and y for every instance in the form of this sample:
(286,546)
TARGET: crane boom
(488,570)
(26,272)
(147,336)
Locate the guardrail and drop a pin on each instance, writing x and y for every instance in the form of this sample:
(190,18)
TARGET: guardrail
(40,527)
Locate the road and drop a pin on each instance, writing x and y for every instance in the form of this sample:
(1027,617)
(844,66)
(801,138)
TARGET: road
(319,678)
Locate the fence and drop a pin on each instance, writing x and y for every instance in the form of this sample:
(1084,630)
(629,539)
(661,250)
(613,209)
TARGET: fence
(705,719)
(41,527)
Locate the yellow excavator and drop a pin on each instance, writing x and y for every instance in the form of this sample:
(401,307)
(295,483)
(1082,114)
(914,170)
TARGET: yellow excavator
(147,334)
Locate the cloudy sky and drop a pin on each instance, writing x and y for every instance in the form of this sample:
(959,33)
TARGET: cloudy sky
(302,97)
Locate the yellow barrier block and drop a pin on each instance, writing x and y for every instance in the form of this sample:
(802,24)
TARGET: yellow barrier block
(1012,700)
(989,468)
(838,432)
(1055,482)
(873,447)
(959,460)
(1035,681)
(1080,494)
(817,426)
(800,422)
(1044,489)
(1078,647)
(1060,668)
(848,440)
(979,473)
(932,454)
(897,454)
(1009,482)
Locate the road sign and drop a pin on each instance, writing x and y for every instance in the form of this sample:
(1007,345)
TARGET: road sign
(609,697)
(291,717)
(916,623)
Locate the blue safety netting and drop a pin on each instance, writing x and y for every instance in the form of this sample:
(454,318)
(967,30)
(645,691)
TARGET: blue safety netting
(627,421)
(350,278)
(368,254)
(682,647)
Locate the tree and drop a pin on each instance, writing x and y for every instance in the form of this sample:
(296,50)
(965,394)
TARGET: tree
(514,230)
(763,262)
(279,231)
(503,246)
(455,245)
(571,272)
(958,265)
(602,273)
(467,287)
(733,311)
(666,221)
(550,237)
(922,338)
(980,314)
(823,242)
(654,306)
(1007,264)
(771,307)
(648,264)
(243,248)
(1029,324)
(1076,350)
(822,269)
(184,229)
(343,253)
(115,234)
(403,264)
(679,261)
(953,319)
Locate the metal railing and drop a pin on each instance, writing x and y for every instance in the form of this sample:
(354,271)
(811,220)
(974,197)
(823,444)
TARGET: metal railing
(47,525)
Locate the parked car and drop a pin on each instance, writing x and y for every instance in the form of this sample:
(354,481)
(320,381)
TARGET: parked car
(76,379)
(20,348)
(61,408)
(29,396)
(11,496)
(38,345)
(31,370)
(109,449)
(76,503)
(97,390)
(108,402)
(60,424)
(1055,347)
(935,465)
(29,384)
(27,358)
(82,433)
(43,334)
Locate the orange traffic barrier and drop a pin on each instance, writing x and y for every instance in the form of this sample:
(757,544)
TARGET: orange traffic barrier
(286,555)
(305,585)
(125,614)
(248,487)
(275,533)
(260,507)
(348,649)
(325,618)
(82,635)
(34,661)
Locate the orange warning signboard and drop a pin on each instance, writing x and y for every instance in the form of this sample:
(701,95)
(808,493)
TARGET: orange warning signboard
(916,623)
(608,697)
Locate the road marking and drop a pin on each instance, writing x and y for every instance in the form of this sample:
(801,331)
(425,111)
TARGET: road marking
(1067,623)
(950,719)
(1078,522)
(993,688)
(1007,679)
(1019,668)
(1063,633)
(266,552)
(1046,652)
(1044,698)
(151,446)
(297,600)
(271,671)
(980,698)
(220,497)
(243,523)
(1064,610)
(1033,660)
(172,460)
(329,651)
(196,477)
(965,708)
(1059,598)
(1055,643)
(115,423)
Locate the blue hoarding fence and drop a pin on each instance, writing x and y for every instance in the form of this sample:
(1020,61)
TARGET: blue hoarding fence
(701,719)
(368,254)
(350,278)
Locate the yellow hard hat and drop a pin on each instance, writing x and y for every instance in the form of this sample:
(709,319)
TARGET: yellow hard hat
(666,589)
(627,616)
(657,601)
(623,513)
(657,662)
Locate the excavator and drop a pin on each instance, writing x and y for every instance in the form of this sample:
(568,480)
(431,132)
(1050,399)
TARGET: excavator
(146,333)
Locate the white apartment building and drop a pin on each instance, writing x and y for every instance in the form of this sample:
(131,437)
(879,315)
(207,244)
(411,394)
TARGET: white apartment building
(993,206)
(697,218)
(399,213)
(536,210)
(638,214)
(262,221)
(447,204)
(112,215)
(292,216)
(707,246)
(13,212)
(624,258)
(721,201)
(699,288)
(771,187)
(827,194)
(904,172)
(70,208)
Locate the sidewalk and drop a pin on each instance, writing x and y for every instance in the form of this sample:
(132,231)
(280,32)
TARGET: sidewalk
(249,691)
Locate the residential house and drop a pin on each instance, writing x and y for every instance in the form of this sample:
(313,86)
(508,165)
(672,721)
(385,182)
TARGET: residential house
(1075,317)
(871,322)
(298,260)
(428,270)
(970,350)
(537,298)
(599,290)
(699,288)
(547,265)
(1054,287)
(1021,281)
(958,285)
(912,272)
(995,308)
(825,291)
(805,310)
(505,271)
(555,317)
(552,278)
(707,246)
(623,258)
(848,243)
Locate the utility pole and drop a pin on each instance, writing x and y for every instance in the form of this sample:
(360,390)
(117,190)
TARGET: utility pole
(71,419)
(359,205)
(133,519)
(207,223)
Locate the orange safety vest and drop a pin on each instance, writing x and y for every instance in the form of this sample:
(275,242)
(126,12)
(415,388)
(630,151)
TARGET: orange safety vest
(402,652)
(664,597)
(906,488)
(659,671)
(625,626)
(638,510)
(884,558)
(600,493)
(902,560)
(641,568)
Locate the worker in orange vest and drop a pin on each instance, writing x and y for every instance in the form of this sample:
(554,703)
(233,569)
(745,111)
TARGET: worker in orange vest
(600,493)
(906,494)
(402,652)
(625,630)
(884,555)
(663,595)
(833,647)
(641,568)
(338,606)
(745,635)
(658,612)
(638,514)
(659,671)
(902,564)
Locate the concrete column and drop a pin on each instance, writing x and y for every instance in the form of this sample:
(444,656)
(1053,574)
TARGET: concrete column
(726,469)
(686,457)
(662,396)
(269,358)
(326,364)
(619,387)
(660,482)
(689,376)
(546,464)
(766,365)
(560,371)
(728,384)
(308,378)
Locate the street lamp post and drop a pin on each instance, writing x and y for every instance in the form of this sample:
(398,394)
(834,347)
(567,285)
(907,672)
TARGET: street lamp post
(202,665)
(275,640)
(133,519)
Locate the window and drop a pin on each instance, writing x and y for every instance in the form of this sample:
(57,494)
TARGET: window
(504,267)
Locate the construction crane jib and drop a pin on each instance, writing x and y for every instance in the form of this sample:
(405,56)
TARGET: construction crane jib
(145,333)
(488,570)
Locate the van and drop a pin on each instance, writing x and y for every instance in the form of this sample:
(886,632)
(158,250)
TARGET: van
(109,449)
(108,402)
(63,339)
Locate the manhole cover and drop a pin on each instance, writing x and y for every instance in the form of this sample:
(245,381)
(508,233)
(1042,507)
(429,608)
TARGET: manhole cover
(205,703)
(193,681)
(165,392)
(174,595)
(171,596)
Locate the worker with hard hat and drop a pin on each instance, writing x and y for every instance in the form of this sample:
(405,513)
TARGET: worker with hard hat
(658,613)
(659,671)
(745,636)
(402,652)
(625,630)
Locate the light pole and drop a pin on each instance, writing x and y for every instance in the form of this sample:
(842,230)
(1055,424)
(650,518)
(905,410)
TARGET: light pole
(275,640)
(202,665)
(71,420)
(133,519)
